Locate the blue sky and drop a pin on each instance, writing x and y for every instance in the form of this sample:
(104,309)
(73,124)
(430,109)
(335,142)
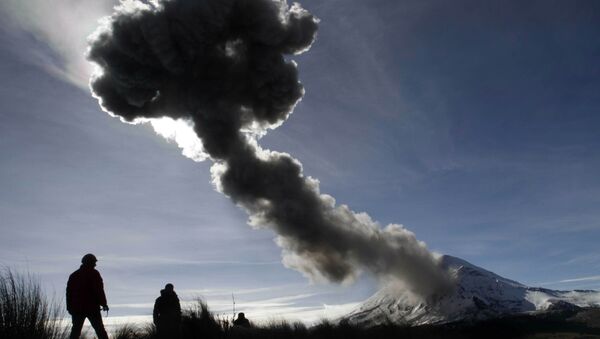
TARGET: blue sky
(475,125)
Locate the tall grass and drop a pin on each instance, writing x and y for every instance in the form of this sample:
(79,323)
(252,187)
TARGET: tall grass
(198,322)
(134,332)
(25,311)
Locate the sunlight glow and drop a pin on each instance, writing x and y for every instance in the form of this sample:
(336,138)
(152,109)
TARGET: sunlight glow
(181,132)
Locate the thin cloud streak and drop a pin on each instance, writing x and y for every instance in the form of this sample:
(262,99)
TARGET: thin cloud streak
(588,259)
(220,303)
(306,314)
(109,261)
(566,281)
(228,292)
(285,307)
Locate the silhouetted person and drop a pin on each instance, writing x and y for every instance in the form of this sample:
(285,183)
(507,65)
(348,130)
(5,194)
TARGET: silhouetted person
(167,313)
(85,297)
(241,321)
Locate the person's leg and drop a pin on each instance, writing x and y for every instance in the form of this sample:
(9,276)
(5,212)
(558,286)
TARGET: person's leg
(77,320)
(96,321)
(162,331)
(171,330)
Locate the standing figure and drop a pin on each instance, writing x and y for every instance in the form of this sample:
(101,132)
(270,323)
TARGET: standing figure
(85,297)
(167,313)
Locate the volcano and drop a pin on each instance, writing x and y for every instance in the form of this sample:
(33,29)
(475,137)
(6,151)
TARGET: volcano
(479,295)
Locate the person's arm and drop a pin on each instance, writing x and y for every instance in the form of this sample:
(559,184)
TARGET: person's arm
(100,295)
(69,295)
(178,310)
(155,312)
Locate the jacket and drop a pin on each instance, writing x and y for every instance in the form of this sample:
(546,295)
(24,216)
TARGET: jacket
(85,291)
(167,310)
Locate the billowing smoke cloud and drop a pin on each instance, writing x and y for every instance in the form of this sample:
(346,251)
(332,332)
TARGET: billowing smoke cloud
(221,65)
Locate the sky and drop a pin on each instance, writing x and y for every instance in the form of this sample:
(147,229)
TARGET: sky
(473,124)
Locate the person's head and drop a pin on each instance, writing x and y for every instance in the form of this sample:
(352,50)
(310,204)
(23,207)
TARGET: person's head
(241,315)
(89,260)
(169,287)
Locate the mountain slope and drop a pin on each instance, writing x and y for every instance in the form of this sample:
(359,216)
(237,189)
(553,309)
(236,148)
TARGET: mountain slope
(480,294)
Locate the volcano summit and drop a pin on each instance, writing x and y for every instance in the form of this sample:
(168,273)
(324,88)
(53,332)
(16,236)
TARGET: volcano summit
(480,294)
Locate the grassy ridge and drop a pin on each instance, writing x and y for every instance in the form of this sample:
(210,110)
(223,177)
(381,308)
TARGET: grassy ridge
(200,323)
(26,313)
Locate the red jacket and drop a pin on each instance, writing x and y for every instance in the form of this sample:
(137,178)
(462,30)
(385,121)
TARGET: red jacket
(85,291)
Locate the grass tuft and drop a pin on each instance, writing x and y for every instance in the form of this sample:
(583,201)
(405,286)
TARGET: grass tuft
(25,311)
(128,331)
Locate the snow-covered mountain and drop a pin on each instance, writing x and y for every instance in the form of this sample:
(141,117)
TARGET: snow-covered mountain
(479,294)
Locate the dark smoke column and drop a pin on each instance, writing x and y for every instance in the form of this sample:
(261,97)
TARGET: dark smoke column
(220,65)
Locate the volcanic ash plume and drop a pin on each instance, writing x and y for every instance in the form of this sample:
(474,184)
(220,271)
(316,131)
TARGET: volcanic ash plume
(220,65)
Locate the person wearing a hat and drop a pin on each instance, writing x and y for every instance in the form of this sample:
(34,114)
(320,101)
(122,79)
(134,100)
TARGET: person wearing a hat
(85,297)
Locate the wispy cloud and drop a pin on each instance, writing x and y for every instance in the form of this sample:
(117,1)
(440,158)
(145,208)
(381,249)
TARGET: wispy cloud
(61,29)
(572,280)
(265,303)
(289,307)
(588,259)
(121,262)
(306,314)
(62,26)
(219,303)
(212,292)
(56,263)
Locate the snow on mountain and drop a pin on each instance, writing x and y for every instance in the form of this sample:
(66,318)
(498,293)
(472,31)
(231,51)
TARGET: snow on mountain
(479,294)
